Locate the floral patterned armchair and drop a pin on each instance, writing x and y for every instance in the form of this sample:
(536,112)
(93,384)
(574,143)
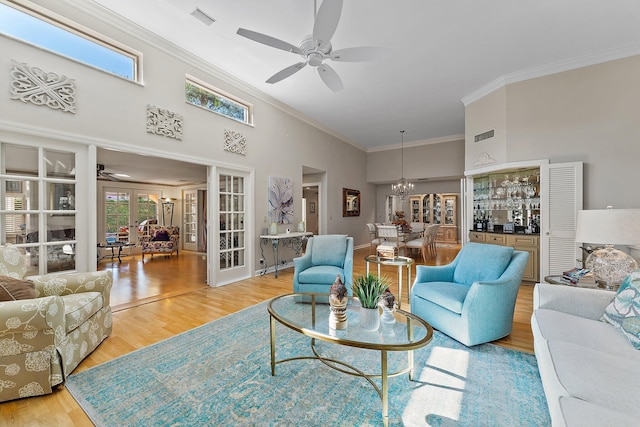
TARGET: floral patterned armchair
(160,240)
(43,339)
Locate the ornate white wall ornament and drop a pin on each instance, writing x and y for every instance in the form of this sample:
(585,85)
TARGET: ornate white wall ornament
(484,159)
(235,142)
(164,122)
(31,84)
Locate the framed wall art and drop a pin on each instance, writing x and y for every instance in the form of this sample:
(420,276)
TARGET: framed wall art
(350,202)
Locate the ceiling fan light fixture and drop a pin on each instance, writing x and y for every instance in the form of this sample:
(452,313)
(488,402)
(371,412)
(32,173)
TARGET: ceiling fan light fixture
(403,188)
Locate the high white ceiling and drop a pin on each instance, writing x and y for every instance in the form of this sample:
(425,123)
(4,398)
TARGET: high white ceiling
(439,52)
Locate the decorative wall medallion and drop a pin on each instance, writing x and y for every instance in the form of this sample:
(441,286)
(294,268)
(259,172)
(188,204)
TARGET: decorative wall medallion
(31,84)
(235,142)
(164,122)
(484,159)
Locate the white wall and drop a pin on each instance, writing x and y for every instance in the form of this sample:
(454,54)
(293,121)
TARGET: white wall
(111,112)
(434,161)
(589,114)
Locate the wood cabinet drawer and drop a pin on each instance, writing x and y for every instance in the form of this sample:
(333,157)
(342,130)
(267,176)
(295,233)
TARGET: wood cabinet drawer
(522,240)
(475,236)
(495,239)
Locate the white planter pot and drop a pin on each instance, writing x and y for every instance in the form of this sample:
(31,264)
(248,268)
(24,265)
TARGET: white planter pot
(369,319)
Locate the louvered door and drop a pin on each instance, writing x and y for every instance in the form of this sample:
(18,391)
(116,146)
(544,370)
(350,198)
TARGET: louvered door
(562,189)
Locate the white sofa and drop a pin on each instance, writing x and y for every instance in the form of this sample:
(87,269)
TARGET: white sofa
(590,371)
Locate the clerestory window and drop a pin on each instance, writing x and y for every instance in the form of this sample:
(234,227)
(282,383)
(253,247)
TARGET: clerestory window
(204,96)
(70,41)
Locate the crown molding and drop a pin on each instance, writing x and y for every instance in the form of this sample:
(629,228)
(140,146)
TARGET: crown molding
(121,23)
(439,140)
(554,68)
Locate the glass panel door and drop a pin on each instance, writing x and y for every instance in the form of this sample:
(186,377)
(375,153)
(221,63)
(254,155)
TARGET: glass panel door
(147,213)
(190,220)
(232,231)
(117,215)
(37,205)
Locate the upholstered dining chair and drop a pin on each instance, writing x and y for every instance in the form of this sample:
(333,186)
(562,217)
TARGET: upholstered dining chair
(326,257)
(390,236)
(427,243)
(417,229)
(432,234)
(473,298)
(373,236)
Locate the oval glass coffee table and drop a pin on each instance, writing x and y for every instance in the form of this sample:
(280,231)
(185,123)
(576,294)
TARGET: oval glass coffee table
(301,313)
(400,262)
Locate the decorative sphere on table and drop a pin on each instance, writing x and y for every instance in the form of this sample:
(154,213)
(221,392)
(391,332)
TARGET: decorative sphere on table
(338,305)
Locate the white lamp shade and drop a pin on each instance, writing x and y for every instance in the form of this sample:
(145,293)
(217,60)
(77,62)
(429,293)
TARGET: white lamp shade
(609,226)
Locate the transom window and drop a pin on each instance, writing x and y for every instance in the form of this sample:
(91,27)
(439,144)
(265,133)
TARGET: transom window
(204,96)
(74,43)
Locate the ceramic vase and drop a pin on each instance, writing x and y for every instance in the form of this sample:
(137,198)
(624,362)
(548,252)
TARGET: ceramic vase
(369,319)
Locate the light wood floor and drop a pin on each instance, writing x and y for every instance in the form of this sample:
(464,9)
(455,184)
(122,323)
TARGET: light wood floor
(163,296)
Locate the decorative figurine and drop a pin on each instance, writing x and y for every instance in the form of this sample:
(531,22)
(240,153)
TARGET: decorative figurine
(387,303)
(338,304)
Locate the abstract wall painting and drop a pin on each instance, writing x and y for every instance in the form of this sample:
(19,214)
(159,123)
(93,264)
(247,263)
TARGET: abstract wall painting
(280,200)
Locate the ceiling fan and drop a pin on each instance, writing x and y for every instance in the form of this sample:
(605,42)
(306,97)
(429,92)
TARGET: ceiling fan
(102,174)
(316,48)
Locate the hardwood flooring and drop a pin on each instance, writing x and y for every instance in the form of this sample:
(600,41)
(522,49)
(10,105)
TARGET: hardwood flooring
(163,296)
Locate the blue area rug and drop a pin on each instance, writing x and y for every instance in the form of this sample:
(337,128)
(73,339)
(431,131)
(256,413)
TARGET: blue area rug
(219,374)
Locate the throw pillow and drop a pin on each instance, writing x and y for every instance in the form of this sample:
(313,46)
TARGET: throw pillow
(624,311)
(14,289)
(162,236)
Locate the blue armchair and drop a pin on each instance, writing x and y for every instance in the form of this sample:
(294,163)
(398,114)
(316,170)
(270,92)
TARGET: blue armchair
(326,257)
(472,299)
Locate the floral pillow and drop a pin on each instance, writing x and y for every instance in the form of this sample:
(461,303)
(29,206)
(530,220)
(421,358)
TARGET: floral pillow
(624,310)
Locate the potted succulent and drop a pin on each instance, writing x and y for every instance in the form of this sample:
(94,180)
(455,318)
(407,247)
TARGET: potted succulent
(368,289)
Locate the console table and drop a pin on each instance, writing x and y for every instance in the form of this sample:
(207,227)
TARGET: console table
(113,246)
(292,240)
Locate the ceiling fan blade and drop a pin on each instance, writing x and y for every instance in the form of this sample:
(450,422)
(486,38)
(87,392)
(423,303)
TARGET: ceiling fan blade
(330,77)
(268,40)
(283,74)
(359,54)
(326,22)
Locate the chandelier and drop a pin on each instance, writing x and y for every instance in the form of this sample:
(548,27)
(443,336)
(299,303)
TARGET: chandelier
(402,188)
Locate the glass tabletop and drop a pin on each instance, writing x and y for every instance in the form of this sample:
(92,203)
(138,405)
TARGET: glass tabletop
(399,260)
(302,313)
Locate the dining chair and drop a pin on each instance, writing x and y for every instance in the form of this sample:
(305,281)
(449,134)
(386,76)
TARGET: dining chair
(390,236)
(373,236)
(426,244)
(432,232)
(417,229)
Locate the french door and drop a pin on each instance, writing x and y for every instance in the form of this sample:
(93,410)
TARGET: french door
(190,220)
(125,209)
(231,253)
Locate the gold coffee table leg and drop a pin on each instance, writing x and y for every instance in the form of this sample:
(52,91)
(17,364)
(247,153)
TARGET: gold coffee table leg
(272,328)
(385,388)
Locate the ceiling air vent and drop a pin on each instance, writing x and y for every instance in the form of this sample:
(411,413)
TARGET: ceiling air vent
(202,17)
(485,135)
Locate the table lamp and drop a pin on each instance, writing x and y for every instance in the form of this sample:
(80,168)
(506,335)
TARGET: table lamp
(609,227)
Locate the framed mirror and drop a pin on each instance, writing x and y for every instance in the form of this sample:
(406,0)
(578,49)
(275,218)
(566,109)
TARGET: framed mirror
(350,202)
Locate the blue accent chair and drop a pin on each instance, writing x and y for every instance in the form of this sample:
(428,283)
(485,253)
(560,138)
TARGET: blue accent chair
(326,257)
(472,299)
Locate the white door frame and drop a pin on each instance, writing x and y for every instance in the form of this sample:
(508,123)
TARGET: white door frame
(214,276)
(319,204)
